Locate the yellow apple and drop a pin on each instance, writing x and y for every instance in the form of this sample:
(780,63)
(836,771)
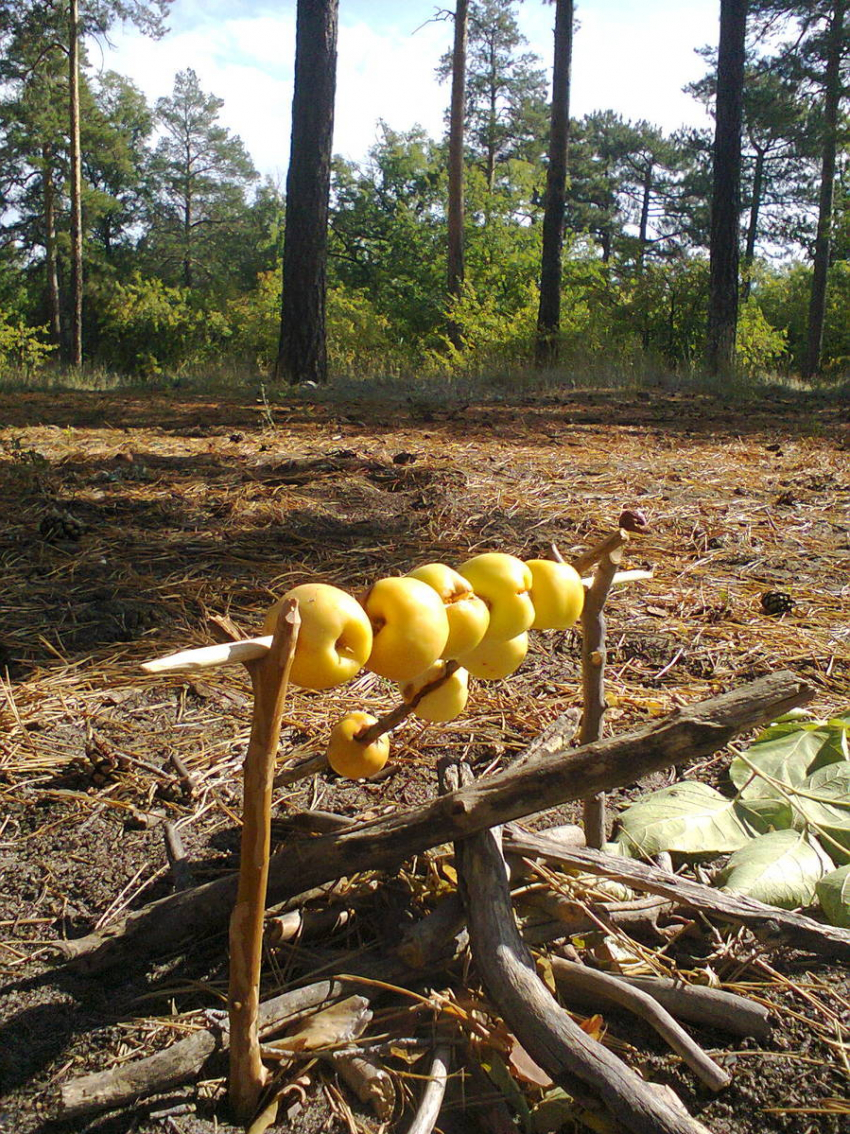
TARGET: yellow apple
(467,614)
(504,582)
(493,659)
(347,756)
(557,594)
(409,627)
(335,638)
(444,703)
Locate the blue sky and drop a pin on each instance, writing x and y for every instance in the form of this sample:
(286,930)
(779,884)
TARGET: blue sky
(631,57)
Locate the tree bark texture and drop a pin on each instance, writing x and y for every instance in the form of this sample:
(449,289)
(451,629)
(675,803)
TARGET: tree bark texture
(726,189)
(456,270)
(753,222)
(549,312)
(76,183)
(556,778)
(302,350)
(820,267)
(50,258)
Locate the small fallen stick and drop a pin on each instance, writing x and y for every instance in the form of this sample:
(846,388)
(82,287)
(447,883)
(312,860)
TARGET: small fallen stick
(592,983)
(269,678)
(432,1097)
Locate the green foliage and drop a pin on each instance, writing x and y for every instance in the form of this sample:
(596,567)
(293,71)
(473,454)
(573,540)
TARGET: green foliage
(781,868)
(787,826)
(833,891)
(148,328)
(760,347)
(23,349)
(783,296)
(688,817)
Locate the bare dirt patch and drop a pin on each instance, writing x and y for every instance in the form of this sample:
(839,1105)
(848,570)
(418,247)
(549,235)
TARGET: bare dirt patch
(129,519)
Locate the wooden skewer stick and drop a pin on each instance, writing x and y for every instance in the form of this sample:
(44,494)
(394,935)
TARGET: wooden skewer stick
(246,650)
(269,678)
(318,761)
(206,657)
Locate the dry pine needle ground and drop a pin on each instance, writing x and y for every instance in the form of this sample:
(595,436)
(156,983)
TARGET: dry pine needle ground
(130,518)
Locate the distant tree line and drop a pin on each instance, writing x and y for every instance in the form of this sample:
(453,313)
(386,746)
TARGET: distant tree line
(170,255)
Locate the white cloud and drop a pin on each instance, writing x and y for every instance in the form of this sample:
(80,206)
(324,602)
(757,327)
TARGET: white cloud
(631,58)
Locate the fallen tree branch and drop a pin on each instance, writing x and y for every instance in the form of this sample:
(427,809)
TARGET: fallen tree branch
(175,1065)
(548,1033)
(596,986)
(684,735)
(699,1004)
(768,922)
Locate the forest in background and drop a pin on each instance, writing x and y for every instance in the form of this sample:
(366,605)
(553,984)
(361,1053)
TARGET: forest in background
(182,240)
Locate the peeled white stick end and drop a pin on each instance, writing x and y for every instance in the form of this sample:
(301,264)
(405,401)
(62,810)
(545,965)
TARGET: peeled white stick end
(207,657)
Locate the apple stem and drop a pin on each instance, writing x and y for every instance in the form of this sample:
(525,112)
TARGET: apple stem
(269,680)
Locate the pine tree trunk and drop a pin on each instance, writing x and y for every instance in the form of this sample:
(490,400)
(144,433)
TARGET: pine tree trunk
(455,274)
(76,184)
(753,223)
(726,190)
(549,312)
(54,317)
(646,200)
(832,98)
(302,350)
(188,275)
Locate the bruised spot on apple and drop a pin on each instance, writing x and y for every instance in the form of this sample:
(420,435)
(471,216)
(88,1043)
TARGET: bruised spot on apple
(335,638)
(445,702)
(494,659)
(409,627)
(504,583)
(557,594)
(467,614)
(347,756)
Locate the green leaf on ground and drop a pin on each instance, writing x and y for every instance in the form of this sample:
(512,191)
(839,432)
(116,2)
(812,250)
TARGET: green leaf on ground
(833,892)
(689,817)
(765,815)
(781,869)
(830,811)
(788,757)
(554,1110)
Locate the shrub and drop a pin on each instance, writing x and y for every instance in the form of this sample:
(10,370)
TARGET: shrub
(22,348)
(147,327)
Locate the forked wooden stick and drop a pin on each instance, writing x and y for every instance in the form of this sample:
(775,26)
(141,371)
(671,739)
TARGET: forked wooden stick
(269,679)
(593,657)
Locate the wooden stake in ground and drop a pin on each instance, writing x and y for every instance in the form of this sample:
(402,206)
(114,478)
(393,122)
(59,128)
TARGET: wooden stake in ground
(593,673)
(269,679)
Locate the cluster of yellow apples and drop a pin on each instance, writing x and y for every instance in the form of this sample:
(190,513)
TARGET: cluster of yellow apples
(407,628)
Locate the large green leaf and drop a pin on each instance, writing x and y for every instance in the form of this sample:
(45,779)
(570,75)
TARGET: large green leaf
(781,869)
(765,815)
(787,757)
(689,817)
(823,801)
(834,895)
